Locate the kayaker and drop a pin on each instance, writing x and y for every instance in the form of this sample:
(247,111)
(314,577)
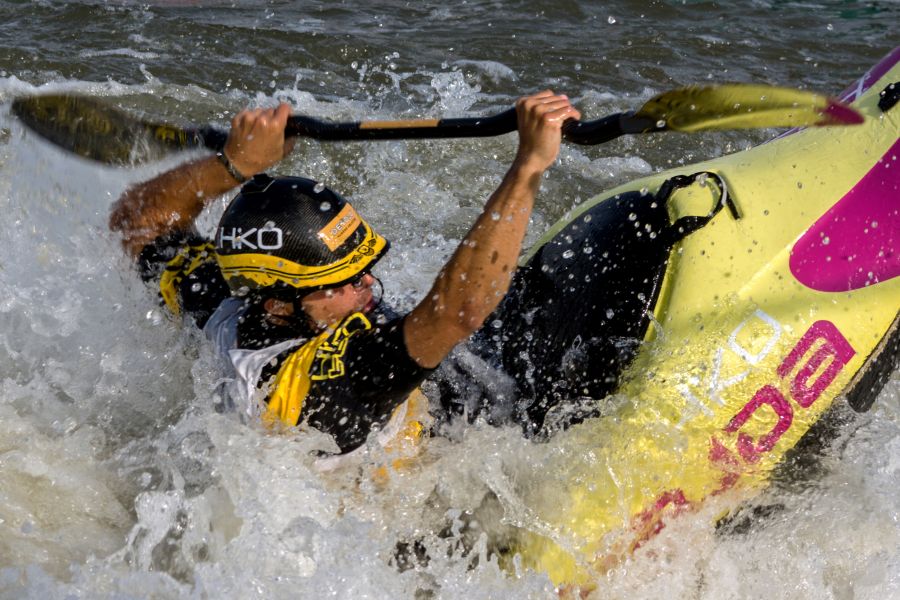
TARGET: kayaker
(286,292)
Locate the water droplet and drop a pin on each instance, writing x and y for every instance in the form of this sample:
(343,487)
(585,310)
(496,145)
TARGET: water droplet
(495,216)
(661,124)
(611,20)
(325,206)
(826,240)
(874,224)
(644,191)
(196,287)
(610,313)
(829,27)
(588,249)
(632,216)
(496,323)
(799,185)
(587,218)
(568,254)
(319,187)
(545,268)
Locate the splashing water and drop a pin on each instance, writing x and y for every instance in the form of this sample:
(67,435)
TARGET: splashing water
(122,475)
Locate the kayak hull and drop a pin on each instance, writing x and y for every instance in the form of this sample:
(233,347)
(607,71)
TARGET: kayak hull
(767,315)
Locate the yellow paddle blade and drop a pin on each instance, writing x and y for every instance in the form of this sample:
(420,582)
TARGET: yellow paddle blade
(92,128)
(744,106)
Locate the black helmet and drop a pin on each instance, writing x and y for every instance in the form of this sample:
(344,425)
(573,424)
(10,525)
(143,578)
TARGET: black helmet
(286,234)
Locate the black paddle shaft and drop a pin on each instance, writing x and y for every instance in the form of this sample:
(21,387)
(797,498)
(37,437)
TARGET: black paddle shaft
(578,132)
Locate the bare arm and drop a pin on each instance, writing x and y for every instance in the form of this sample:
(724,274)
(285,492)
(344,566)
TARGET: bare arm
(171,201)
(478,274)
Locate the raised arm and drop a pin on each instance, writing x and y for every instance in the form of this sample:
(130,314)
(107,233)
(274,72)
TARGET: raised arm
(171,201)
(478,275)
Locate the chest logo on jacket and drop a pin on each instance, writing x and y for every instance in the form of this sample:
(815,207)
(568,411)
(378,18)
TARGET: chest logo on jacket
(329,361)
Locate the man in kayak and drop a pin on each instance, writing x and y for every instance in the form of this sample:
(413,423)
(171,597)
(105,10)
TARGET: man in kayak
(285,290)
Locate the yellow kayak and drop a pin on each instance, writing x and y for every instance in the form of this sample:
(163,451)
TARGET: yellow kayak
(779,296)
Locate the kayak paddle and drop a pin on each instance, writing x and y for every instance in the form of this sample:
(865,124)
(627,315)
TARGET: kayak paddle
(94,129)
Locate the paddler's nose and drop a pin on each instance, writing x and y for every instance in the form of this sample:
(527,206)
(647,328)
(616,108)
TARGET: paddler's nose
(366,281)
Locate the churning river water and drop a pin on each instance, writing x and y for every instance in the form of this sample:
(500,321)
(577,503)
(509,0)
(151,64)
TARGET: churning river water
(118,479)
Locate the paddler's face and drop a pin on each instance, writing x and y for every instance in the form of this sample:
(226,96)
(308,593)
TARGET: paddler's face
(327,307)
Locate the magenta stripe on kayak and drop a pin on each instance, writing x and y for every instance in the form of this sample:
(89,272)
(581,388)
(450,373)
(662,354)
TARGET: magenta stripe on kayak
(855,244)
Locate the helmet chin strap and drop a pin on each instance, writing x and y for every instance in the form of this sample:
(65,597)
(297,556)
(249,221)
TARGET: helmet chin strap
(301,322)
(298,322)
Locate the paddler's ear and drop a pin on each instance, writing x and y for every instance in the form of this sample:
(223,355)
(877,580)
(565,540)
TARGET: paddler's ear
(278,308)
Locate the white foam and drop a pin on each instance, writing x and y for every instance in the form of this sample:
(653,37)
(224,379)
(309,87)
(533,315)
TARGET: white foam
(120,479)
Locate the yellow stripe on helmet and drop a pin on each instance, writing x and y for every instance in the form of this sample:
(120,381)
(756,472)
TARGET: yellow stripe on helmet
(264,270)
